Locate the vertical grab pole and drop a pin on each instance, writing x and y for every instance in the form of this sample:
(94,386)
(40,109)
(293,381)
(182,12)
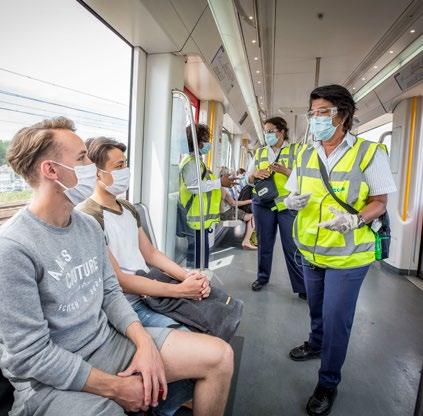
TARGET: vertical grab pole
(178,93)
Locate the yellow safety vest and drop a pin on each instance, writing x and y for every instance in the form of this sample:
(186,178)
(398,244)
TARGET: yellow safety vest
(286,158)
(321,246)
(211,199)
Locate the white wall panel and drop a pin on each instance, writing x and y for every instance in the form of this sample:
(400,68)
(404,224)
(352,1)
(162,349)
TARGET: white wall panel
(164,73)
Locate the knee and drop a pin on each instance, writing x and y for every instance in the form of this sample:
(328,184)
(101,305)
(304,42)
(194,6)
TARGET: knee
(224,359)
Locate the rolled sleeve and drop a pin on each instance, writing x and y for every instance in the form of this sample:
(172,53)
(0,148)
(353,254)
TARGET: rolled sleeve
(378,175)
(81,377)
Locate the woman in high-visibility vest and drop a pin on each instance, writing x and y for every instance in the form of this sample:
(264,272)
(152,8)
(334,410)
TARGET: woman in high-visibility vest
(188,195)
(277,156)
(338,247)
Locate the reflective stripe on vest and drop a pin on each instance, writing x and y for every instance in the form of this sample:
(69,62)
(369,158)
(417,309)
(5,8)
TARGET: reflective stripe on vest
(286,158)
(324,247)
(211,199)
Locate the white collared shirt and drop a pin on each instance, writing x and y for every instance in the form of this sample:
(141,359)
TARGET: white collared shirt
(378,174)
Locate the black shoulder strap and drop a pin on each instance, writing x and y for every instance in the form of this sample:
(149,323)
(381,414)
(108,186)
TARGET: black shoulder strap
(325,178)
(276,161)
(279,155)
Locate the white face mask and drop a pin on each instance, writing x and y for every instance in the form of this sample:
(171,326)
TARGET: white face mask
(86,179)
(120,181)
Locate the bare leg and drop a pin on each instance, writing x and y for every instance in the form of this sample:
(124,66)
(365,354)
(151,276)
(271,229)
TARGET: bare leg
(208,360)
(249,228)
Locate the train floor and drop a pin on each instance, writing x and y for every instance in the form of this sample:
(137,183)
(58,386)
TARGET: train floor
(382,370)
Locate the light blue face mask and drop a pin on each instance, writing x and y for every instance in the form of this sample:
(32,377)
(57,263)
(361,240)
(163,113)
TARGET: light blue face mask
(322,128)
(206,148)
(270,139)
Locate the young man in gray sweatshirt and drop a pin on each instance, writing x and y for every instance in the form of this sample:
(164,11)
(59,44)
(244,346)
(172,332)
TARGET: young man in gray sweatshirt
(70,342)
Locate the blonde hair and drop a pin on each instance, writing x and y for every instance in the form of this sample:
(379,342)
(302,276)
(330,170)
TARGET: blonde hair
(32,143)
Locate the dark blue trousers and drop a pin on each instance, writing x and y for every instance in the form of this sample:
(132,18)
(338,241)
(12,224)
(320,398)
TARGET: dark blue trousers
(194,247)
(332,296)
(267,223)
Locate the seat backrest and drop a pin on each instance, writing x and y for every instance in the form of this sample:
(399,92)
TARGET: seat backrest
(146,222)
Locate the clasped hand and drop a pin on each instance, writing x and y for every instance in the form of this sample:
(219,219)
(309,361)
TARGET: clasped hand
(196,286)
(141,381)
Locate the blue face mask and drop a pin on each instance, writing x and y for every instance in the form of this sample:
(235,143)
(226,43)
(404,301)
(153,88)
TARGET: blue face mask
(270,139)
(322,128)
(205,149)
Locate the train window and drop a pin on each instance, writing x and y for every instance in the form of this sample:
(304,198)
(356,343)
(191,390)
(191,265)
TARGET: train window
(58,60)
(375,134)
(225,151)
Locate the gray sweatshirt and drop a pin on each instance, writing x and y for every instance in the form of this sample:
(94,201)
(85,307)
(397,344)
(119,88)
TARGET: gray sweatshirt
(57,294)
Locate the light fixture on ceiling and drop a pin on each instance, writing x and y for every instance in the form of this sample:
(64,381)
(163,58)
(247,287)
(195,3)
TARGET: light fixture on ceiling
(391,51)
(363,79)
(353,88)
(414,49)
(251,17)
(253,41)
(257,72)
(412,30)
(375,66)
(258,82)
(256,58)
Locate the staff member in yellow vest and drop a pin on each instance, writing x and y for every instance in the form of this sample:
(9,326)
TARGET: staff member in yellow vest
(338,247)
(189,199)
(277,156)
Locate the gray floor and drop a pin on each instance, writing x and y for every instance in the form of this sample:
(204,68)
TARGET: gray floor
(382,370)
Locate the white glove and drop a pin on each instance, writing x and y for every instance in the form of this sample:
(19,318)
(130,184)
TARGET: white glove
(296,201)
(343,221)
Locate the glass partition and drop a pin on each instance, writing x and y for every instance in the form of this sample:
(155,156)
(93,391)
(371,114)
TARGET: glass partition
(180,238)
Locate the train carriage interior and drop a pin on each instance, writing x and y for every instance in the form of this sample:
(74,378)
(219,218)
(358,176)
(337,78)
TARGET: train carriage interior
(145,72)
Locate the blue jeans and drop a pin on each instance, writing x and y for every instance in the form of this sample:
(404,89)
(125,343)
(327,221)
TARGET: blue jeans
(332,296)
(267,224)
(149,318)
(194,249)
(180,391)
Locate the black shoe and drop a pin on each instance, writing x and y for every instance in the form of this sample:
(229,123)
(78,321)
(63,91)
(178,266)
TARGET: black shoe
(303,353)
(302,296)
(320,404)
(257,285)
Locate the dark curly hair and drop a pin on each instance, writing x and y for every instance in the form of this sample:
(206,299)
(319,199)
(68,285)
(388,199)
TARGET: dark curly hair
(341,98)
(203,135)
(280,123)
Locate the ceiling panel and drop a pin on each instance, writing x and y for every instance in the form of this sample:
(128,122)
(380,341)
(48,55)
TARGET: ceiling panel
(189,11)
(206,36)
(342,38)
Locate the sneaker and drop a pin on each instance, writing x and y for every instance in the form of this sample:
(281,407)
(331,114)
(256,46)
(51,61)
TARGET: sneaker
(303,353)
(257,285)
(320,404)
(302,296)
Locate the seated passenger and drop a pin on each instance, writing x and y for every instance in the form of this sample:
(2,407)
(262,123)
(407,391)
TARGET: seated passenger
(228,212)
(69,340)
(129,248)
(242,180)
